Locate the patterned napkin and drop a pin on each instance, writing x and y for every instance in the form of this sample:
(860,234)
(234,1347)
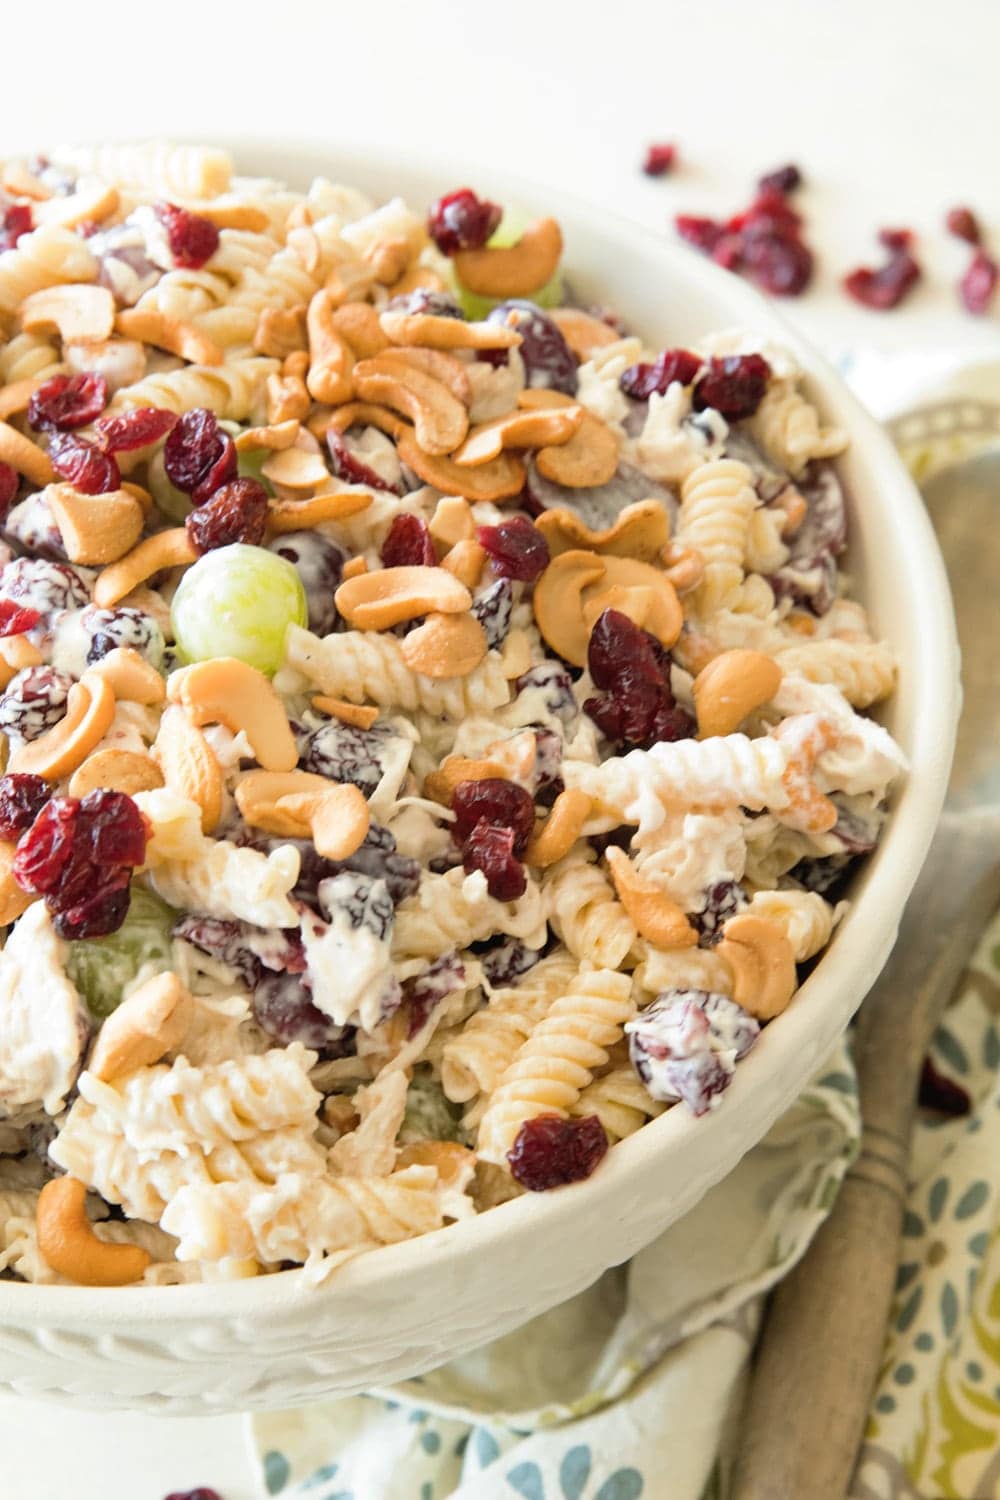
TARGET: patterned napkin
(634,1387)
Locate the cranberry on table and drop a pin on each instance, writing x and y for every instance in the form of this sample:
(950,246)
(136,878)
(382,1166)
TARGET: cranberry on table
(67,401)
(896,240)
(733,385)
(461,221)
(84,465)
(979,283)
(549,363)
(516,548)
(673,366)
(550,1151)
(192,238)
(659,159)
(884,287)
(236,512)
(408,544)
(779,264)
(783,180)
(135,429)
(201,1493)
(942,1095)
(962,222)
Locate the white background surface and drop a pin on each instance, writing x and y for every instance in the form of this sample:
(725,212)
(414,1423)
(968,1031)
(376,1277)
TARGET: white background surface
(889,106)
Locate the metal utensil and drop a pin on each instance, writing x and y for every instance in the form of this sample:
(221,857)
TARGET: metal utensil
(819,1356)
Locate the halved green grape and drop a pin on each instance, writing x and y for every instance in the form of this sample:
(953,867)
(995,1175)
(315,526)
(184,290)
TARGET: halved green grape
(102,967)
(250,461)
(507,232)
(238,601)
(429,1115)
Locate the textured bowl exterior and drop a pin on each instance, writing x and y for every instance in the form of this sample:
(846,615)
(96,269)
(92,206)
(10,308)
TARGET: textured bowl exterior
(406,1308)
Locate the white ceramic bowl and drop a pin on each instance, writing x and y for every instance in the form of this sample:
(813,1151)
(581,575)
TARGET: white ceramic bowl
(405,1308)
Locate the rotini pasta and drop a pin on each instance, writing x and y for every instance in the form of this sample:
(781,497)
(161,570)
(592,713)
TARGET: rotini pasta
(586,913)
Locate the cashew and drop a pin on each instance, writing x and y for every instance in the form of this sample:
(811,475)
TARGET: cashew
(287,398)
(807,809)
(13,900)
(16,653)
(439,365)
(132,678)
(389,596)
(90,709)
(416,277)
(430,331)
(280,332)
(171,334)
(516,654)
(22,454)
(452,521)
(296,469)
(144,1028)
(358,715)
(515,754)
(331,358)
(582,332)
(762,964)
(339,820)
(656,918)
(95,529)
(684,566)
(368,413)
(561,829)
(641,531)
(640,591)
(515,270)
(189,765)
(234,216)
(388,259)
(117,771)
(69,1245)
(445,646)
(558,602)
(439,785)
(732,686)
(589,458)
(534,397)
(465,561)
(500,480)
(228,691)
(16,397)
(440,419)
(519,429)
(353,568)
(78,312)
(88,205)
(167,549)
(276,438)
(297,804)
(359,324)
(300,515)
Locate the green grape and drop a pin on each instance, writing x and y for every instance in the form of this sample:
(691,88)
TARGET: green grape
(102,967)
(250,461)
(507,232)
(174,504)
(429,1115)
(238,601)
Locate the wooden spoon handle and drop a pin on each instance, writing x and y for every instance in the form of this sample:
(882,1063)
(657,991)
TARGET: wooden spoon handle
(819,1357)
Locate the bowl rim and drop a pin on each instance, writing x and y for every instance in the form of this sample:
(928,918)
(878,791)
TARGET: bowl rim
(889,877)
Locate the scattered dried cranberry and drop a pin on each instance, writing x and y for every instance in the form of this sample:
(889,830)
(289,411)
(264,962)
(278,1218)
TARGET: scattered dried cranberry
(491,850)
(67,401)
(134,429)
(896,240)
(499,803)
(83,464)
(192,239)
(351,469)
(461,221)
(779,264)
(659,159)
(16,619)
(17,220)
(703,233)
(885,287)
(734,385)
(768,213)
(516,548)
(22,798)
(408,544)
(941,1094)
(673,365)
(783,180)
(636,705)
(9,484)
(237,512)
(963,223)
(201,1493)
(79,855)
(977,286)
(198,456)
(550,1151)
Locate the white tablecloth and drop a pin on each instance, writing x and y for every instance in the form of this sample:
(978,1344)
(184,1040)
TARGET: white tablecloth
(891,110)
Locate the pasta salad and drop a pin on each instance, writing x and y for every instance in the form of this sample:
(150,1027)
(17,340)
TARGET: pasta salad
(433,721)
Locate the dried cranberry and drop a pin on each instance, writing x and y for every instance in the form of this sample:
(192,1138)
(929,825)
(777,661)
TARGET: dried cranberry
(134,429)
(885,287)
(83,464)
(734,385)
(192,239)
(673,365)
(425,991)
(283,1007)
(461,221)
(491,850)
(351,469)
(198,456)
(659,159)
(637,705)
(768,213)
(67,401)
(779,264)
(79,855)
(34,701)
(728,252)
(722,901)
(549,363)
(423,300)
(237,512)
(17,220)
(15,619)
(96,912)
(896,240)
(941,1094)
(506,959)
(963,223)
(408,544)
(494,609)
(703,233)
(201,1493)
(499,803)
(9,483)
(977,286)
(550,1151)
(516,548)
(782,180)
(22,798)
